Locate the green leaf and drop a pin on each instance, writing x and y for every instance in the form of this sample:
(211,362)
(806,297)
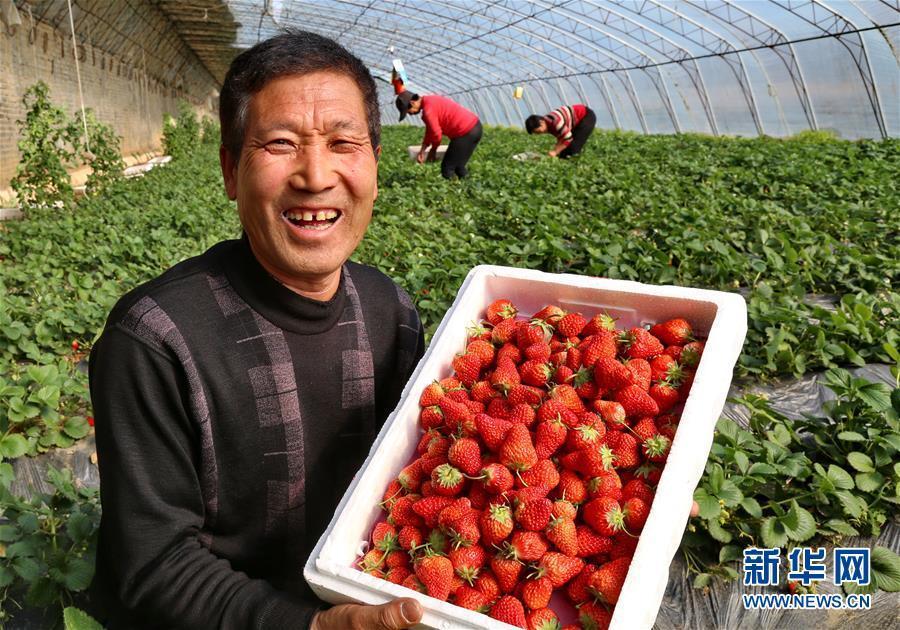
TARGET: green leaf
(8,533)
(7,475)
(730,553)
(27,567)
(730,493)
(851,436)
(860,461)
(886,569)
(799,523)
(75,619)
(869,482)
(717,532)
(851,504)
(841,527)
(709,506)
(42,592)
(76,427)
(876,395)
(773,532)
(742,461)
(12,446)
(760,468)
(78,574)
(702,580)
(79,527)
(6,576)
(840,477)
(752,507)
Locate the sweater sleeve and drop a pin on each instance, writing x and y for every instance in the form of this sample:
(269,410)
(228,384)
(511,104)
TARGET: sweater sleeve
(433,131)
(151,557)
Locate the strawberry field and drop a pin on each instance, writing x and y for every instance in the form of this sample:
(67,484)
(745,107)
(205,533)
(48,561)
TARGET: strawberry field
(807,230)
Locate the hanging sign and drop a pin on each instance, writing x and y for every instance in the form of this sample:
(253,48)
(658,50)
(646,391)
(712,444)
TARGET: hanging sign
(518,92)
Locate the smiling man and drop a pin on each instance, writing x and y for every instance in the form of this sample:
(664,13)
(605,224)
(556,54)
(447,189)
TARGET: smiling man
(236,395)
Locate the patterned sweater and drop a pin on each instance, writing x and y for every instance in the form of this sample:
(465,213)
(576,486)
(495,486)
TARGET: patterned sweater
(231,415)
(562,120)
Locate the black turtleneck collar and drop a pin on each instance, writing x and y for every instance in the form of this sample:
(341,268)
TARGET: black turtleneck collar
(273,300)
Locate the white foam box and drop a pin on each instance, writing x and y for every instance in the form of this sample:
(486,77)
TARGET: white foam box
(719,317)
(414,151)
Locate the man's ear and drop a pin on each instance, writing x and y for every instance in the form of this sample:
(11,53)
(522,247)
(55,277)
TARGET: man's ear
(377,156)
(229,172)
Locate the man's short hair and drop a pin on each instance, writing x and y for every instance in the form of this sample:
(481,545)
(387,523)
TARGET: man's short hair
(293,52)
(533,122)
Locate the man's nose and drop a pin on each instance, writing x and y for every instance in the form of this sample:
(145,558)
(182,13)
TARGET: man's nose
(314,169)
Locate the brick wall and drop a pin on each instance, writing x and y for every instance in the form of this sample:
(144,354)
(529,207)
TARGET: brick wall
(130,89)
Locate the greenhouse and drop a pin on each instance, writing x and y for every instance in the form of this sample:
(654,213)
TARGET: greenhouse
(546,314)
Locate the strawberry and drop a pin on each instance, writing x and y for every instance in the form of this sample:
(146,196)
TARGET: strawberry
(611,374)
(496,524)
(623,546)
(549,436)
(571,325)
(535,373)
(550,314)
(487,584)
(576,589)
(536,592)
(509,350)
(636,402)
(586,436)
(499,310)
(564,509)
(525,394)
(664,395)
(604,515)
(432,393)
(538,352)
(496,478)
(687,381)
(507,570)
(571,487)
(397,575)
(429,508)
(468,561)
(504,332)
(559,567)
(644,429)
(410,537)
(656,448)
(563,374)
(397,558)
(601,346)
(637,488)
(433,443)
(533,331)
(543,474)
(492,430)
(673,332)
(594,616)
(691,353)
(625,450)
(509,610)
(414,584)
(606,582)
(533,515)
(522,413)
(529,493)
(471,598)
(371,562)
(567,395)
(436,574)
(636,512)
(402,512)
(526,546)
(455,413)
(640,372)
(640,344)
(664,368)
(561,532)
(605,484)
(411,477)
(598,323)
(505,375)
(393,492)
(467,368)
(483,392)
(465,454)
(447,480)
(590,543)
(542,619)
(484,350)
(613,413)
(384,537)
(517,451)
(431,418)
(595,461)
(478,330)
(667,425)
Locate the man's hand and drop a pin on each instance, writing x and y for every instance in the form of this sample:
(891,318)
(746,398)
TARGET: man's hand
(695,509)
(433,156)
(552,152)
(421,157)
(396,615)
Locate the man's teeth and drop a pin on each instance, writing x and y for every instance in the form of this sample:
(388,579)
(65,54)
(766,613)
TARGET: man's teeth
(308,215)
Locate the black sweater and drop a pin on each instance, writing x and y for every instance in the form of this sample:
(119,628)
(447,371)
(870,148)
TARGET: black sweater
(231,415)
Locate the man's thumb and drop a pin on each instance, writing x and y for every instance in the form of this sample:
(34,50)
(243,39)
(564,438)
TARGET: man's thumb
(399,614)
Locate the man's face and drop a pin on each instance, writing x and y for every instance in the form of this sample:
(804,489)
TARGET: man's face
(542,127)
(415,107)
(306,179)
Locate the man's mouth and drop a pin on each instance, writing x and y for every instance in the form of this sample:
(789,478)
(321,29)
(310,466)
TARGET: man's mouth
(312,219)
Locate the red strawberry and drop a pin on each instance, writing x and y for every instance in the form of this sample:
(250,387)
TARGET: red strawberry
(483,391)
(636,401)
(601,346)
(397,574)
(535,373)
(517,451)
(536,592)
(639,489)
(691,353)
(411,477)
(561,532)
(564,509)
(623,546)
(527,546)
(402,512)
(593,616)
(447,480)
(532,332)
(484,350)
(496,524)
(576,589)
(640,373)
(571,325)
(549,436)
(431,418)
(590,543)
(656,448)
(586,436)
(533,515)
(487,584)
(505,375)
(673,332)
(432,393)
(607,581)
(496,478)
(499,310)
(687,381)
(492,430)
(664,368)
(604,515)
(611,374)
(605,484)
(455,413)
(410,537)
(384,537)
(567,395)
(613,413)
(538,352)
(665,396)
(522,413)
(625,450)
(598,323)
(542,619)
(550,314)
(429,508)
(468,561)
(525,394)
(393,492)
(595,461)
(559,567)
(465,454)
(563,374)
(636,512)
(543,474)
(478,330)
(436,574)
(644,428)
(472,599)
(467,368)
(571,487)
(507,570)
(509,350)
(509,610)
(415,584)
(504,332)
(640,344)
